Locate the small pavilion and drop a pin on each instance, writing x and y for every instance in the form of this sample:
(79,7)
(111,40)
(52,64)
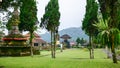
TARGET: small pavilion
(66,37)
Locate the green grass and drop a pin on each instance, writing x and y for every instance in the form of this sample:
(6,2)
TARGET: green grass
(70,58)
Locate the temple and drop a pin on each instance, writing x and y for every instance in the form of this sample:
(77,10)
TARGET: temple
(66,42)
(14,44)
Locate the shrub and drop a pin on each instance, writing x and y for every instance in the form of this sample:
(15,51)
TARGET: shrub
(13,51)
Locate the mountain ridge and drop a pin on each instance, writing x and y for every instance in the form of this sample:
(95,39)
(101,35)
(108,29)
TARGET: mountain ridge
(74,32)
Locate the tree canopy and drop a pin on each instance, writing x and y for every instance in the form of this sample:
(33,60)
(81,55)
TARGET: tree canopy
(28,15)
(50,19)
(90,17)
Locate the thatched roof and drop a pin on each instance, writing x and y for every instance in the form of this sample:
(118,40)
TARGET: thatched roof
(65,36)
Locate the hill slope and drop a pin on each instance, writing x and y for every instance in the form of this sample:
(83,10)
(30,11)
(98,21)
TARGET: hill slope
(74,32)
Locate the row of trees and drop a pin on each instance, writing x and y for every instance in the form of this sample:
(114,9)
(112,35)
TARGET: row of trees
(107,27)
(28,18)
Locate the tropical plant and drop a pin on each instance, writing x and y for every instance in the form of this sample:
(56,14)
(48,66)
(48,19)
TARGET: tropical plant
(113,12)
(106,35)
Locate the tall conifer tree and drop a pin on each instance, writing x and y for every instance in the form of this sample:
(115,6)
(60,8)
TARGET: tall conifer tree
(28,18)
(89,19)
(50,21)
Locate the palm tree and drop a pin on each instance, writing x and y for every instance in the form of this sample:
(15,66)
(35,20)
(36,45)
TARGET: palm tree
(108,35)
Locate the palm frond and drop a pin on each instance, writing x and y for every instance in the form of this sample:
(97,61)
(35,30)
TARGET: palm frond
(114,31)
(101,25)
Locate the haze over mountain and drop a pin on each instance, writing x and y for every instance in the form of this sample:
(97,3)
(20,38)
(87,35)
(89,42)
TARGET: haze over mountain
(74,32)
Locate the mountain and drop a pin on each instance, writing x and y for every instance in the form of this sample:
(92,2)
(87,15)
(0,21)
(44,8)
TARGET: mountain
(74,32)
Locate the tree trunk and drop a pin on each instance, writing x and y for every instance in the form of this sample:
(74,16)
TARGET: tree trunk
(90,53)
(54,44)
(31,37)
(113,6)
(113,51)
(51,44)
(91,49)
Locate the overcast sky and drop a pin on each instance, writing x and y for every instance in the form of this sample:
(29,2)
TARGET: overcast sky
(72,12)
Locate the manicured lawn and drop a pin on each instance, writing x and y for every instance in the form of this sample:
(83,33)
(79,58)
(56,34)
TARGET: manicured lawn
(70,58)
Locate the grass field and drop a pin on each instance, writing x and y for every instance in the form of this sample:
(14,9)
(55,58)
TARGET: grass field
(70,58)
